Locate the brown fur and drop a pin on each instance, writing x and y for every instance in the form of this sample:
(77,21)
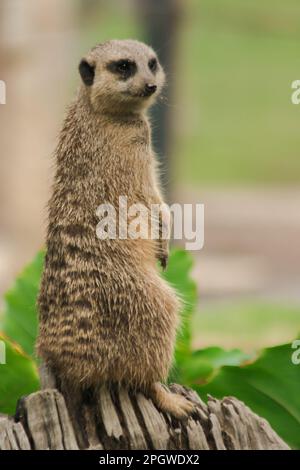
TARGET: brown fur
(106,315)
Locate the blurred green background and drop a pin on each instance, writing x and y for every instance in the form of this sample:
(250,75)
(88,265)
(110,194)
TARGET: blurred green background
(239,58)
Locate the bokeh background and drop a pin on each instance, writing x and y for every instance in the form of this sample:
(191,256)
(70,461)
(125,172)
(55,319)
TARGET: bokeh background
(225,130)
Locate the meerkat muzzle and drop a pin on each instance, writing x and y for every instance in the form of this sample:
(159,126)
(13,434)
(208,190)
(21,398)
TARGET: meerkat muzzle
(149,89)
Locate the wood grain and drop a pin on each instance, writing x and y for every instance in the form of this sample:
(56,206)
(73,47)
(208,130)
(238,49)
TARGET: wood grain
(127,421)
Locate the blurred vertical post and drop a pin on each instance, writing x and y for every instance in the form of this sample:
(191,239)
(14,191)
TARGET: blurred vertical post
(37,46)
(160,21)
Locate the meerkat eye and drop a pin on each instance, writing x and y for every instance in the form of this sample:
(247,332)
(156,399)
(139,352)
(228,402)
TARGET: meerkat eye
(124,65)
(152,64)
(125,68)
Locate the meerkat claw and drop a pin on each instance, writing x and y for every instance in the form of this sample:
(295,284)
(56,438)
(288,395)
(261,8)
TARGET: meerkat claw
(181,407)
(173,403)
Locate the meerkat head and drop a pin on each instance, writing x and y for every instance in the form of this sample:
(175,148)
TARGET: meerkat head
(121,76)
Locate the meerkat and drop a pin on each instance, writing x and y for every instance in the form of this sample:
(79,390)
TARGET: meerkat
(105,314)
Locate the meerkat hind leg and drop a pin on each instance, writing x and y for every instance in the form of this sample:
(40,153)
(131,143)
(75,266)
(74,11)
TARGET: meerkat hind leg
(173,403)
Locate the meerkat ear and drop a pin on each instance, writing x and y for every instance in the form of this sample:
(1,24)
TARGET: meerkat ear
(87,72)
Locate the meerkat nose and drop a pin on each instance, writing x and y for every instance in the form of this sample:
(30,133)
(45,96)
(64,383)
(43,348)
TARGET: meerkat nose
(150,89)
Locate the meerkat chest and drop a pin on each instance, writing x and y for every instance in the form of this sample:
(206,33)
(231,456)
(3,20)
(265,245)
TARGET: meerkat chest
(125,152)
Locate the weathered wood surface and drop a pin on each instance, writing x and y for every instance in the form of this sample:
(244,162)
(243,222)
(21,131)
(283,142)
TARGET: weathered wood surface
(126,421)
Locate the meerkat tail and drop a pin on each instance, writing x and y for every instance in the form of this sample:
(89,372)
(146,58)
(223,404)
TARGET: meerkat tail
(169,402)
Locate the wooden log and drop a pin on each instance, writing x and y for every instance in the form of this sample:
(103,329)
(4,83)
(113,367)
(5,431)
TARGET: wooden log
(131,421)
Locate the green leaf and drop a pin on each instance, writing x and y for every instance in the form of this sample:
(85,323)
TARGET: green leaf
(178,275)
(19,320)
(269,386)
(201,365)
(219,357)
(18,376)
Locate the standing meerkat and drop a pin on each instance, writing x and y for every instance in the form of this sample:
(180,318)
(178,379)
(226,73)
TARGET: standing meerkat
(105,314)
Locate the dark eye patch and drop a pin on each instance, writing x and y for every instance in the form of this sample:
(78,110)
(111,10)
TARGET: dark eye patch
(125,68)
(152,64)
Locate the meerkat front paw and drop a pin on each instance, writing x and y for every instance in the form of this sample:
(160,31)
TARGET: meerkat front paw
(163,253)
(168,402)
(164,236)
